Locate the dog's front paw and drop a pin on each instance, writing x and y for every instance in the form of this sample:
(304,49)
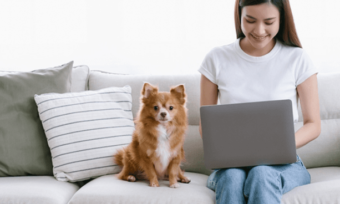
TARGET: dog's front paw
(185,180)
(131,178)
(174,185)
(152,184)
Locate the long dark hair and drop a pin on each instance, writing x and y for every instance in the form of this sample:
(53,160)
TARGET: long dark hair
(287,32)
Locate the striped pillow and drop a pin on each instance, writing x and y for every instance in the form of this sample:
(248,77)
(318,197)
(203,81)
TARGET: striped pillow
(85,129)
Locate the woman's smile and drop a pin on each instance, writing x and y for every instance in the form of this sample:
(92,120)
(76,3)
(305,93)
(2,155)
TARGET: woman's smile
(259,39)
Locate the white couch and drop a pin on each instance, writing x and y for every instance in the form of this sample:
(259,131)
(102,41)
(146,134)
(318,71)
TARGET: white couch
(321,156)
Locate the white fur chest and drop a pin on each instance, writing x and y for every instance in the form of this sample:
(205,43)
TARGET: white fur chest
(163,150)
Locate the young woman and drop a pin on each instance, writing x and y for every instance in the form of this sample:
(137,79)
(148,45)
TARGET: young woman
(266,62)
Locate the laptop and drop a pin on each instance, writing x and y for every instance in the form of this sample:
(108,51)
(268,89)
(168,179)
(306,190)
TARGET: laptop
(248,134)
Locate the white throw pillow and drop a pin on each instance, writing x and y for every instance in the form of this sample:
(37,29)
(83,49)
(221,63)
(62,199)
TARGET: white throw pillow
(85,129)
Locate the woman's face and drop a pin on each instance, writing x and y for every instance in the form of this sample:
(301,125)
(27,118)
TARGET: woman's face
(260,24)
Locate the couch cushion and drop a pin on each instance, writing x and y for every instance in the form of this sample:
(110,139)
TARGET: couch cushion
(193,149)
(324,188)
(23,145)
(35,189)
(80,78)
(108,189)
(99,80)
(324,150)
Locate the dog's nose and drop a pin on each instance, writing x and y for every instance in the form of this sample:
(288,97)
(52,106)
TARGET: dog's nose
(163,114)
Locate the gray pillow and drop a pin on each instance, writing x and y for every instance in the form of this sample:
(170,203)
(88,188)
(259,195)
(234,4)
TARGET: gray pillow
(23,145)
(80,77)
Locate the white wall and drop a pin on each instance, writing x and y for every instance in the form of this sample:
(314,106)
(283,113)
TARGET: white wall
(143,36)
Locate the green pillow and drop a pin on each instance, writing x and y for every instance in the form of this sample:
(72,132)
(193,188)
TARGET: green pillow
(23,145)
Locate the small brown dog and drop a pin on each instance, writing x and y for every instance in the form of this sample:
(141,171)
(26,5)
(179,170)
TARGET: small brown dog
(156,150)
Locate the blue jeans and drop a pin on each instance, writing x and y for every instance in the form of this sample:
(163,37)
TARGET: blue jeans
(260,184)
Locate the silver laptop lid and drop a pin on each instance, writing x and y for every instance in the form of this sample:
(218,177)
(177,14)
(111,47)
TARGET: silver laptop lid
(248,134)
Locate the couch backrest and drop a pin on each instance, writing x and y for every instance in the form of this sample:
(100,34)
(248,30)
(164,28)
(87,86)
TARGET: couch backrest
(324,151)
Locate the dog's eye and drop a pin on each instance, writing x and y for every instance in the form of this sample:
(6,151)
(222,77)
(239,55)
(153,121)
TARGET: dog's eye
(171,107)
(155,107)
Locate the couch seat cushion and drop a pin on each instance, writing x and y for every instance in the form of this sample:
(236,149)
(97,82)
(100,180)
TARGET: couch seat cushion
(324,188)
(109,189)
(35,189)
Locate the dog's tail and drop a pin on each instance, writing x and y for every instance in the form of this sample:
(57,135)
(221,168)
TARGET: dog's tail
(119,156)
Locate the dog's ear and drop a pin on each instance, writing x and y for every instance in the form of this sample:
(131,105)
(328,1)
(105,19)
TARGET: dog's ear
(179,93)
(148,89)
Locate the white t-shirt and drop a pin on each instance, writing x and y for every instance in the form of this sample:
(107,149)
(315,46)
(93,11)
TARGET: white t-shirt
(244,78)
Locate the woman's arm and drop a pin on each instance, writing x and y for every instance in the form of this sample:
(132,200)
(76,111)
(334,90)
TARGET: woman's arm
(209,95)
(309,100)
